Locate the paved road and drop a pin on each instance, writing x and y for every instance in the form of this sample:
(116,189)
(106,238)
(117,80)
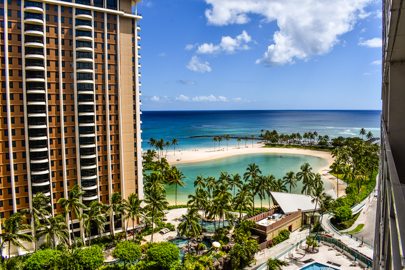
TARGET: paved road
(368,231)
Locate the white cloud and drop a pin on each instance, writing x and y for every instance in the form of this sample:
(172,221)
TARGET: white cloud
(182,82)
(367,74)
(228,44)
(182,98)
(306,27)
(197,65)
(378,14)
(377,62)
(162,54)
(372,43)
(190,46)
(158,99)
(240,100)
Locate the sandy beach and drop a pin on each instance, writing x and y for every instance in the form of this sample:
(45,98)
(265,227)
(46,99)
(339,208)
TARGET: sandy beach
(196,155)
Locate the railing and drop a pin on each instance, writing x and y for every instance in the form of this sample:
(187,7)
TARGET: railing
(279,223)
(364,259)
(80,22)
(390,245)
(83,11)
(32,4)
(33,16)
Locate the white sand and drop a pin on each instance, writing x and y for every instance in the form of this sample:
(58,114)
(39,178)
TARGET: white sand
(196,155)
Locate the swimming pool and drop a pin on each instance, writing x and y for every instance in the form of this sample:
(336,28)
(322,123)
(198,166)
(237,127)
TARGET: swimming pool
(183,245)
(318,266)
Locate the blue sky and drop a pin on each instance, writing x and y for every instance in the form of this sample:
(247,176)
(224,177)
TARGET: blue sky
(260,54)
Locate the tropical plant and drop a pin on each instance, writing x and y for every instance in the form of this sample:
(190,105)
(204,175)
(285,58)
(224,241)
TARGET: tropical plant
(167,144)
(90,258)
(246,139)
(198,200)
(242,200)
(133,209)
(156,203)
(39,211)
(163,255)
(227,138)
(127,252)
(251,175)
(174,143)
(12,235)
(243,251)
(199,182)
(369,135)
(280,186)
(235,181)
(362,132)
(174,177)
(219,141)
(270,180)
(261,188)
(215,139)
(275,264)
(42,259)
(290,179)
(95,216)
(55,231)
(253,136)
(238,140)
(154,181)
(190,226)
(337,168)
(152,142)
(115,210)
(72,205)
(306,176)
(161,165)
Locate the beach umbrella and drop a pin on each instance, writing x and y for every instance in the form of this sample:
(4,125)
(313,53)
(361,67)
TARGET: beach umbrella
(319,238)
(216,244)
(355,257)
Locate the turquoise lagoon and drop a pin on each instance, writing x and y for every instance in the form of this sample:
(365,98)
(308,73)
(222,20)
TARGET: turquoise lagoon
(269,163)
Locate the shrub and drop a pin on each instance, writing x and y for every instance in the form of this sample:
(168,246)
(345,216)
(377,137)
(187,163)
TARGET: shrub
(163,254)
(41,259)
(90,258)
(343,213)
(170,227)
(127,251)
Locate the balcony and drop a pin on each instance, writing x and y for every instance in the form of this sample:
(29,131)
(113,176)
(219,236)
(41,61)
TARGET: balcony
(34,30)
(38,156)
(87,142)
(35,65)
(83,35)
(89,185)
(87,151)
(90,195)
(34,122)
(37,132)
(83,14)
(33,18)
(38,146)
(39,180)
(87,162)
(31,6)
(33,41)
(41,189)
(86,119)
(88,167)
(86,130)
(36,109)
(39,169)
(89,177)
(85,108)
(84,27)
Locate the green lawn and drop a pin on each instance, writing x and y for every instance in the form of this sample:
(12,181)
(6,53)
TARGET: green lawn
(357,229)
(345,224)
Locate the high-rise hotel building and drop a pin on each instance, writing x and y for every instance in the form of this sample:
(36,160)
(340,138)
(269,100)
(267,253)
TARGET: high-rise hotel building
(69,102)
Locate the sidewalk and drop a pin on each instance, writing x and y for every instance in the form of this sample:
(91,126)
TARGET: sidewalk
(264,255)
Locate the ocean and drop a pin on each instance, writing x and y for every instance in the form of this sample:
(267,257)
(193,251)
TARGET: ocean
(183,125)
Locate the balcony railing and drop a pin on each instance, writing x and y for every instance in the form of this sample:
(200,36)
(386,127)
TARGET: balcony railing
(83,33)
(83,11)
(86,130)
(34,63)
(38,145)
(34,51)
(32,16)
(32,27)
(36,109)
(38,155)
(86,119)
(42,189)
(32,4)
(80,44)
(81,22)
(85,108)
(390,230)
(37,132)
(34,39)
(86,141)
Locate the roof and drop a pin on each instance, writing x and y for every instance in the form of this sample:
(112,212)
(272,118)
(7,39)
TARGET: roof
(291,202)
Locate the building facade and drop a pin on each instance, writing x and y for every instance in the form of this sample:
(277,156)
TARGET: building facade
(389,240)
(70,102)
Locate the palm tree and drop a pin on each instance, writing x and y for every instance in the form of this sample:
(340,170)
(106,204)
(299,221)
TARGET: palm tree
(161,165)
(96,216)
(198,199)
(369,135)
(11,235)
(235,181)
(362,132)
(243,200)
(280,186)
(39,211)
(261,188)
(154,181)
(167,144)
(219,141)
(156,203)
(238,140)
(174,177)
(270,180)
(306,176)
(290,179)
(215,139)
(55,231)
(253,136)
(73,205)
(325,205)
(133,209)
(251,174)
(190,226)
(227,138)
(317,182)
(199,181)
(152,142)
(174,143)
(317,196)
(211,183)
(115,209)
(159,146)
(275,264)
(246,139)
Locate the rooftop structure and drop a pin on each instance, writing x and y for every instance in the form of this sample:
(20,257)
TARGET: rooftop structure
(291,202)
